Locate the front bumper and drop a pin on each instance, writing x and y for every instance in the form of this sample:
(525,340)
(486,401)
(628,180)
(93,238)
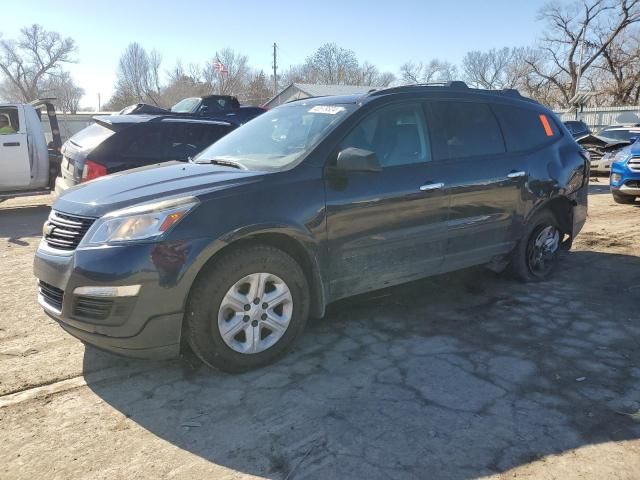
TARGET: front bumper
(629,183)
(63,184)
(146,325)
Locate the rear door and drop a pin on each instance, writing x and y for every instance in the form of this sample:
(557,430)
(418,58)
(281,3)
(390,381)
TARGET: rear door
(15,165)
(386,227)
(483,182)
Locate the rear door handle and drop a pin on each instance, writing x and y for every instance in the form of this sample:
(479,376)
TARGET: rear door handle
(11,144)
(431,186)
(515,174)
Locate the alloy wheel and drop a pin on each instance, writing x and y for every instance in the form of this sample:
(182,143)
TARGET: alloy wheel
(255,313)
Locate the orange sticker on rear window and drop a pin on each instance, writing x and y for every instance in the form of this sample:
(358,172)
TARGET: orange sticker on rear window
(547,126)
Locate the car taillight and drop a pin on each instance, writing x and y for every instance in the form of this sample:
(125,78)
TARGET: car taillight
(93,170)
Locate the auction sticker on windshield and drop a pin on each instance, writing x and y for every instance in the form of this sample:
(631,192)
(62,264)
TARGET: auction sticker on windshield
(329,109)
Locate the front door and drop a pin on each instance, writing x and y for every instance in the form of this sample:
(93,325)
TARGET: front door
(15,167)
(386,227)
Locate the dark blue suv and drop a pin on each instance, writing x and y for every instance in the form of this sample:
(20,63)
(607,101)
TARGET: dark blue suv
(313,201)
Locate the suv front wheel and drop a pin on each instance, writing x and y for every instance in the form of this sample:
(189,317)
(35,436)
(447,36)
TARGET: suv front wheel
(247,308)
(536,255)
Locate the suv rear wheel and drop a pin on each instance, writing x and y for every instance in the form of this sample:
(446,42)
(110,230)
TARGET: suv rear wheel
(536,255)
(247,309)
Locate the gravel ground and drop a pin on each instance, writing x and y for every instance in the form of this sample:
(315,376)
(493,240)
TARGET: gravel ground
(460,376)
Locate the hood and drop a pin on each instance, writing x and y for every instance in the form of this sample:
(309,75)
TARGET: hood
(155,182)
(600,141)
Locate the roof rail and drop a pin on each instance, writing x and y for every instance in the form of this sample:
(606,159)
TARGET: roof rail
(412,86)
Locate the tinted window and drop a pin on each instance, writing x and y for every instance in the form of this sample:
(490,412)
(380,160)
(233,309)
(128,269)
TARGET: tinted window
(187,139)
(397,135)
(524,128)
(464,129)
(147,144)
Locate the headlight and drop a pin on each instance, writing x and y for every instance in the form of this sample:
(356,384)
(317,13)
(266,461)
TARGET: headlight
(141,222)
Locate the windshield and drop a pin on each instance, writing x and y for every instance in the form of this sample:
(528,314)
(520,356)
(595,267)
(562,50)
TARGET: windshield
(186,106)
(278,137)
(618,134)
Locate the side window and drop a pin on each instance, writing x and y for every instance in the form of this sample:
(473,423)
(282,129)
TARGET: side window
(525,128)
(396,133)
(9,121)
(147,144)
(464,129)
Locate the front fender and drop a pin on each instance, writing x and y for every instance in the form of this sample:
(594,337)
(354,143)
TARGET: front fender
(291,236)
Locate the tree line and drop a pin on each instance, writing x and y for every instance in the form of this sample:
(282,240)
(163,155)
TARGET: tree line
(585,45)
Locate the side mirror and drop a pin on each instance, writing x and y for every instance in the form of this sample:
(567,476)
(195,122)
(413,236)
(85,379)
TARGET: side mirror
(357,160)
(203,109)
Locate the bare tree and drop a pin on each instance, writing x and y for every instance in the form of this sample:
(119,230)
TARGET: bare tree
(234,78)
(138,76)
(576,37)
(36,55)
(427,72)
(331,64)
(493,69)
(619,70)
(65,91)
(258,90)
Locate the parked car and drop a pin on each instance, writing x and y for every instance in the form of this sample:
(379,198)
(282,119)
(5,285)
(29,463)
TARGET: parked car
(217,107)
(625,174)
(120,142)
(28,163)
(577,128)
(603,146)
(620,132)
(313,201)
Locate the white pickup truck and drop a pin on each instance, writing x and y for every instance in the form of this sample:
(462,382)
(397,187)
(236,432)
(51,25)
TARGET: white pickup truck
(28,166)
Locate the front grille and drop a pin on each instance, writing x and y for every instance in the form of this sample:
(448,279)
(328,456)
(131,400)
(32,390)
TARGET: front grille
(634,164)
(51,295)
(632,183)
(65,232)
(94,308)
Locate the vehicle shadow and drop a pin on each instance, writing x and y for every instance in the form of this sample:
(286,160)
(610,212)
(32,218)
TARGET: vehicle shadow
(596,189)
(17,223)
(455,377)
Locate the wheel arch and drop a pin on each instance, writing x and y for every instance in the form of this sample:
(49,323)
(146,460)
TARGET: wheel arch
(289,241)
(562,209)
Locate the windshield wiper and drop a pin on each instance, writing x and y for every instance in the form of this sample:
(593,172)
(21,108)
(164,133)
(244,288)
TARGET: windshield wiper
(224,163)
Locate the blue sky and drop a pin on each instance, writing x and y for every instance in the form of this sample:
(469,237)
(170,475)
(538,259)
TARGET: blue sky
(384,33)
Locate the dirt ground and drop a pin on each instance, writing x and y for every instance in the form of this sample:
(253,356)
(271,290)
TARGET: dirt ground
(460,376)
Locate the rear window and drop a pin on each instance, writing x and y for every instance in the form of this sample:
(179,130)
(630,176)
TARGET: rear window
(525,128)
(464,129)
(91,136)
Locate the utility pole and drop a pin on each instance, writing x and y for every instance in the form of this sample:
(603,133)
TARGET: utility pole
(275,69)
(98,101)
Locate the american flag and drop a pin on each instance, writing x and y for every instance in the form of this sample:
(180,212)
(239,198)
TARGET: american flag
(220,67)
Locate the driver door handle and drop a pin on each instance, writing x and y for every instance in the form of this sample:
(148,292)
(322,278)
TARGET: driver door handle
(516,174)
(11,144)
(431,186)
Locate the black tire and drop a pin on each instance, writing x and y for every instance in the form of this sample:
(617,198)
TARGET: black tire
(201,317)
(521,262)
(624,199)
